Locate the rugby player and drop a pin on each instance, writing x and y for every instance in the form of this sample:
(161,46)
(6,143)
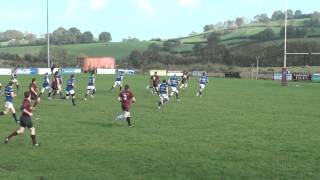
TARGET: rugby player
(46,86)
(163,93)
(70,90)
(55,84)
(91,88)
(184,80)
(203,81)
(9,93)
(174,83)
(125,98)
(118,81)
(15,81)
(34,92)
(59,76)
(25,121)
(154,83)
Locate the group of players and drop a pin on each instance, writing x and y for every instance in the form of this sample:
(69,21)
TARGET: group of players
(175,83)
(125,97)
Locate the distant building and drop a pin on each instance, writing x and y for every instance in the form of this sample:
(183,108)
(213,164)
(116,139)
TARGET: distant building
(92,63)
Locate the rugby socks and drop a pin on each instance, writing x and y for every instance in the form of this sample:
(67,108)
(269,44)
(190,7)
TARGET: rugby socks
(17,87)
(15,133)
(40,94)
(73,102)
(120,88)
(15,117)
(177,95)
(33,137)
(49,94)
(129,121)
(1,113)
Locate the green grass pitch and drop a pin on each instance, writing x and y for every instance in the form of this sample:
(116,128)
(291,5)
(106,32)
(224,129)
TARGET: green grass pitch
(239,129)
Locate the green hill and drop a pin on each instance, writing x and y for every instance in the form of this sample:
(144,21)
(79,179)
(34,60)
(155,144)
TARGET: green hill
(114,49)
(235,37)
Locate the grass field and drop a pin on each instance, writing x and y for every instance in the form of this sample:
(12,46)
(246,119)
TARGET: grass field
(238,130)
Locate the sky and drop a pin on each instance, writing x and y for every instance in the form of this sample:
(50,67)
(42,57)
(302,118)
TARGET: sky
(143,19)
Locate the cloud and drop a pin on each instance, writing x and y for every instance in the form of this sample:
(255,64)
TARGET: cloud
(189,3)
(146,7)
(71,10)
(97,4)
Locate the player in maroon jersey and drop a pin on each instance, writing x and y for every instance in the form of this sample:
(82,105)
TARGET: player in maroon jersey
(34,92)
(55,84)
(154,83)
(125,98)
(184,80)
(25,121)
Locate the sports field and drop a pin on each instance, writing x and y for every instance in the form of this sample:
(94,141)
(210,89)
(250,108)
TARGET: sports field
(239,129)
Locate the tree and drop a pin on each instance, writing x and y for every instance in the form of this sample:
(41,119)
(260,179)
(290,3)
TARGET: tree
(291,31)
(266,34)
(239,21)
(86,37)
(59,36)
(30,37)
(297,14)
(73,35)
(290,14)
(135,58)
(155,47)
(11,35)
(262,18)
(277,15)
(315,18)
(105,37)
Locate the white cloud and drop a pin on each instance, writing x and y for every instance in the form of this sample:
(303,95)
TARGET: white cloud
(146,6)
(71,10)
(189,3)
(97,4)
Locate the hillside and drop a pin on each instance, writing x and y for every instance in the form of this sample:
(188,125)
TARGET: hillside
(235,37)
(115,49)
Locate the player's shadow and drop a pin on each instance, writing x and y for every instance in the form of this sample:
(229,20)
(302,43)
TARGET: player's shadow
(100,124)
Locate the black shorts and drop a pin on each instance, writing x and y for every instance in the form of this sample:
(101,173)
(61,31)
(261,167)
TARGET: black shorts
(34,97)
(25,121)
(125,108)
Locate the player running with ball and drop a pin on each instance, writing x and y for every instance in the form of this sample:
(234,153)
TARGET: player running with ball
(125,98)
(163,93)
(25,121)
(91,89)
(118,81)
(203,81)
(46,86)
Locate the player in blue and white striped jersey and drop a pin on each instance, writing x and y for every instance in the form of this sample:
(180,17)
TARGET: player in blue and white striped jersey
(9,93)
(91,88)
(163,93)
(203,81)
(70,90)
(174,82)
(118,81)
(46,86)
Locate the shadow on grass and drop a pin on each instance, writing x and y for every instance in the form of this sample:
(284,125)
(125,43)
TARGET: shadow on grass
(103,124)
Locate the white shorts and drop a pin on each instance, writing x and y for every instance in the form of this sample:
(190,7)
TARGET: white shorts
(174,89)
(47,88)
(8,105)
(15,81)
(71,92)
(117,83)
(202,86)
(91,88)
(164,97)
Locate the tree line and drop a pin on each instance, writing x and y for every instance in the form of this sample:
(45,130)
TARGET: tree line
(59,36)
